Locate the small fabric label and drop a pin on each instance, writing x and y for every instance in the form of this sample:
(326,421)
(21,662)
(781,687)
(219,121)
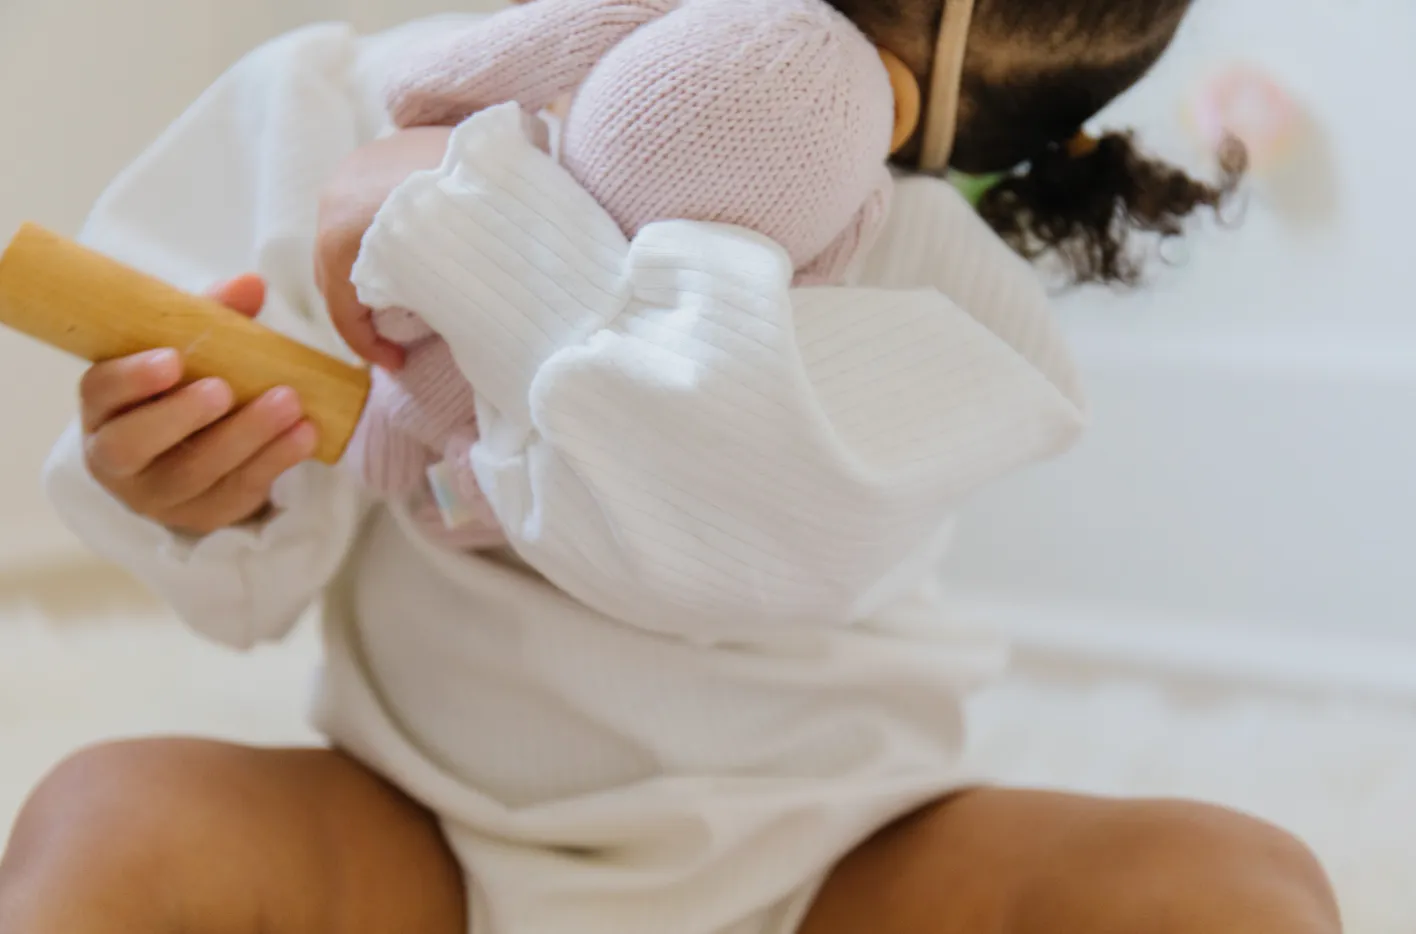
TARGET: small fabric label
(456,510)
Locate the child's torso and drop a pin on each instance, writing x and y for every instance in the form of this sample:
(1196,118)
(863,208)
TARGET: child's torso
(520,692)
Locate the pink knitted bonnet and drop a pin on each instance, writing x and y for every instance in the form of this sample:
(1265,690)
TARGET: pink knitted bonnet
(774,115)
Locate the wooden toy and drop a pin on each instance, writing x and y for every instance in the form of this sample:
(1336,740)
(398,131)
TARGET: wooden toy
(91,306)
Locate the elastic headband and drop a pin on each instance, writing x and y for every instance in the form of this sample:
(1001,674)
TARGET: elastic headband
(942,116)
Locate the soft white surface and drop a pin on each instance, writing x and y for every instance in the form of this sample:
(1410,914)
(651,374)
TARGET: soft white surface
(1341,774)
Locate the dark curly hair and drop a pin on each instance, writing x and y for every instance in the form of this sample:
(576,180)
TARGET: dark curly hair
(1083,206)
(1036,71)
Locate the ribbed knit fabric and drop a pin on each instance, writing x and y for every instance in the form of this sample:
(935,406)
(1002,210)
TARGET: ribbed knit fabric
(411,419)
(680,397)
(773,117)
(388,459)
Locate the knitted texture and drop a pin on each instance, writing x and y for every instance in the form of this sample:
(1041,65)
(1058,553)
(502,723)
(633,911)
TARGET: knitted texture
(531,54)
(422,415)
(773,116)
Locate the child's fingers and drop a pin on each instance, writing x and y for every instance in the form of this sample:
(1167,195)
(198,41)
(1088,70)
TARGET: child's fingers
(207,458)
(355,325)
(336,249)
(115,386)
(125,445)
(245,294)
(244,492)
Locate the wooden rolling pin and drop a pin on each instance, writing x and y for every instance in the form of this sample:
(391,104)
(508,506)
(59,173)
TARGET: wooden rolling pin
(96,308)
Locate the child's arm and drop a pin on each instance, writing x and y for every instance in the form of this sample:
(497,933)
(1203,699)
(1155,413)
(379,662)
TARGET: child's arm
(219,511)
(671,435)
(232,187)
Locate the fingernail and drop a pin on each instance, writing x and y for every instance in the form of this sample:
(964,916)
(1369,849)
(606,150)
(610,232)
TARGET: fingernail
(163,359)
(215,392)
(284,400)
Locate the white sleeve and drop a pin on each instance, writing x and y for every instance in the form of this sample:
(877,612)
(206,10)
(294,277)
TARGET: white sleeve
(935,239)
(670,433)
(240,586)
(231,187)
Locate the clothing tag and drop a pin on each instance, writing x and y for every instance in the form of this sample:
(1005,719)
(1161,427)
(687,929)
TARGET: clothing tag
(456,511)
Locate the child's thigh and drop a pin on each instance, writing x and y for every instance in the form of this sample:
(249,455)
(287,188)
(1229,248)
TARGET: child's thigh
(175,835)
(1023,862)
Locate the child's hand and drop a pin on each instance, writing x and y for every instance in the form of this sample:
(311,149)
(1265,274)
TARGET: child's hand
(347,207)
(175,455)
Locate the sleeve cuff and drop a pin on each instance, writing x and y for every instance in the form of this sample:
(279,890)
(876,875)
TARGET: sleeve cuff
(239,586)
(501,252)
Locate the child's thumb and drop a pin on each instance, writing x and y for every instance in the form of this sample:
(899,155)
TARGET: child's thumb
(245,294)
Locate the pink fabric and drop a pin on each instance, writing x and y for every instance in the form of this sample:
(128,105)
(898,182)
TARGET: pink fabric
(774,115)
(409,415)
(532,54)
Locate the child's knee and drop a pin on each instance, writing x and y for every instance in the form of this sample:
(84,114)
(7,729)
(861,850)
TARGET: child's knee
(112,825)
(1275,857)
(1187,868)
(92,801)
(1262,871)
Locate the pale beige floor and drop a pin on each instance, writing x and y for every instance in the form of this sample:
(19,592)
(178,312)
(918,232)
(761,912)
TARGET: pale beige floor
(85,656)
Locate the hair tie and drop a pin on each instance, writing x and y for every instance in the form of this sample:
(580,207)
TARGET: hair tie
(1081,145)
(906,92)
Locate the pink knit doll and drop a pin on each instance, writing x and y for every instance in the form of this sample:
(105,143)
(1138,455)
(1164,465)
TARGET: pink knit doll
(773,115)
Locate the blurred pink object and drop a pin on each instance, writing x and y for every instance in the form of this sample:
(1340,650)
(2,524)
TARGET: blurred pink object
(1246,102)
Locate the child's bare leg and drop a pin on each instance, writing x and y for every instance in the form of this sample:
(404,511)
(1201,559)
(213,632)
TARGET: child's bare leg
(1017,862)
(202,838)
(205,838)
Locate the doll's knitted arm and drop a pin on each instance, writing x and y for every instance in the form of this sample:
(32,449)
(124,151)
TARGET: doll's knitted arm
(403,434)
(382,455)
(531,54)
(409,418)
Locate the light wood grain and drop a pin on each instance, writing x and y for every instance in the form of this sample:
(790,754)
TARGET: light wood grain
(96,308)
